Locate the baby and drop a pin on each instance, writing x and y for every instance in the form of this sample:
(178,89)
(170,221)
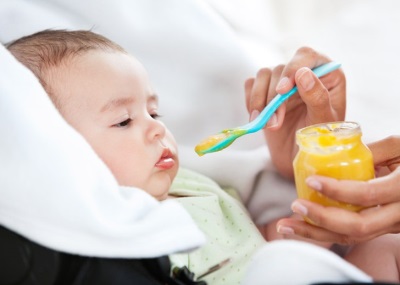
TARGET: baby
(105,94)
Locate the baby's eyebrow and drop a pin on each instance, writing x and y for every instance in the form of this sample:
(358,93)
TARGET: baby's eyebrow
(125,101)
(153,97)
(116,103)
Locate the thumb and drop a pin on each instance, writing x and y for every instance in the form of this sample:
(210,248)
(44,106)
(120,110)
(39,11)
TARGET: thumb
(386,152)
(315,96)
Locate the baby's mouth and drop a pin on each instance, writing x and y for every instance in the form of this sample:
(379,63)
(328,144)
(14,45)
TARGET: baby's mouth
(166,161)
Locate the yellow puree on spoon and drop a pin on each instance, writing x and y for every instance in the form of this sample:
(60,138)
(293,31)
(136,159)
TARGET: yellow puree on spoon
(209,143)
(219,141)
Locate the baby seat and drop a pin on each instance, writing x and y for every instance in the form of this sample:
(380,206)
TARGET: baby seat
(26,263)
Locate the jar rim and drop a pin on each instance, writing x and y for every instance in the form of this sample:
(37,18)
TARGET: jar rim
(341,128)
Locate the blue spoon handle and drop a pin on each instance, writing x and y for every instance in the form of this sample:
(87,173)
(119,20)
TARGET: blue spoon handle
(270,109)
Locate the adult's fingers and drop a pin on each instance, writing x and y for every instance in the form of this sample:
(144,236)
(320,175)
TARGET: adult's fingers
(386,152)
(315,96)
(261,90)
(304,57)
(277,118)
(379,191)
(289,227)
(248,86)
(343,226)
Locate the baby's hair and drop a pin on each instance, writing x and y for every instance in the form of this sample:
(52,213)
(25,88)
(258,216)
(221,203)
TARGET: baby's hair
(48,49)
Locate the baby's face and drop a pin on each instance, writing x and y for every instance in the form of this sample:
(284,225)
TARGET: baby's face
(107,97)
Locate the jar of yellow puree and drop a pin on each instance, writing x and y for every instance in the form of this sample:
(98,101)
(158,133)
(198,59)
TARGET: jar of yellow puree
(335,150)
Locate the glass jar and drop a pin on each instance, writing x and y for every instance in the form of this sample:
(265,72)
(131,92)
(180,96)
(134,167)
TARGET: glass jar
(335,150)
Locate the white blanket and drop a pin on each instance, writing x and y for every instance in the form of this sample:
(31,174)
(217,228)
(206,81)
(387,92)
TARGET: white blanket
(57,192)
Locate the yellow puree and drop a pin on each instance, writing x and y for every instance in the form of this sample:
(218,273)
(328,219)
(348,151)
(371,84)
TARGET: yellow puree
(228,135)
(209,143)
(341,157)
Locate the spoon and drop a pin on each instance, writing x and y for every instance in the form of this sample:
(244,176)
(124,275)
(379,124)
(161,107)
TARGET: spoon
(226,137)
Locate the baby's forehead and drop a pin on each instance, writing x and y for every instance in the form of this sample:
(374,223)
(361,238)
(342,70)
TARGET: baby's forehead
(98,71)
(90,60)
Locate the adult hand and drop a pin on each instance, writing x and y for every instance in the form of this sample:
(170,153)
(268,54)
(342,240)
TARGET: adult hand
(380,196)
(317,101)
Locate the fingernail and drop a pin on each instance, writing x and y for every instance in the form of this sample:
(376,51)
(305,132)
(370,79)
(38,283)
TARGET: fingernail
(306,80)
(285,230)
(299,208)
(314,184)
(254,115)
(273,121)
(283,83)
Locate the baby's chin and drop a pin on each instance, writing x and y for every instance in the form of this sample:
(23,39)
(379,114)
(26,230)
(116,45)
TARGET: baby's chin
(160,193)
(160,189)
(163,196)
(157,185)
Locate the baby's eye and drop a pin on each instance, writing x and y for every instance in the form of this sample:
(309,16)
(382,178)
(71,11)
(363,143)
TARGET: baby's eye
(123,123)
(155,116)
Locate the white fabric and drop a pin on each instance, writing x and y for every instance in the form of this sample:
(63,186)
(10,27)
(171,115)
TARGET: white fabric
(56,191)
(290,262)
